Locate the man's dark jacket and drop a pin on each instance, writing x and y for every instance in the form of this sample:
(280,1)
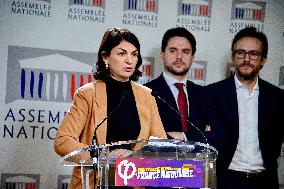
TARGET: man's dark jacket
(222,116)
(171,120)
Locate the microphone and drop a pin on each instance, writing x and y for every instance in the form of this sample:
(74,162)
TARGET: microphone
(155,94)
(94,150)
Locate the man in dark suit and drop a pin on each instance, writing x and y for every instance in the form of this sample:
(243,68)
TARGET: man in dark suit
(245,115)
(177,54)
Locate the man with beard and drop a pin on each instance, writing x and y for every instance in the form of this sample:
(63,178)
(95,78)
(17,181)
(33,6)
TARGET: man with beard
(245,115)
(179,100)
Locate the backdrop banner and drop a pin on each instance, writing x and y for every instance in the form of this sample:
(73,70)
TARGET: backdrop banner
(48,49)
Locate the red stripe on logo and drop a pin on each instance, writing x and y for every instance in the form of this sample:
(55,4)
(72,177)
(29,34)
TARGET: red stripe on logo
(81,80)
(72,86)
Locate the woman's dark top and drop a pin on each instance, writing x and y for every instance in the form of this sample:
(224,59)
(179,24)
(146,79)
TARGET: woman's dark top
(123,123)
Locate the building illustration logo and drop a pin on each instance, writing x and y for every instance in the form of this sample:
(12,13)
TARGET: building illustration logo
(195,15)
(87,10)
(197,72)
(63,181)
(30,181)
(46,75)
(195,8)
(247,13)
(147,68)
(248,10)
(141,5)
(95,3)
(53,75)
(140,13)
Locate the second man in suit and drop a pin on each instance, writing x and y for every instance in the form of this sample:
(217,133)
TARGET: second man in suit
(174,91)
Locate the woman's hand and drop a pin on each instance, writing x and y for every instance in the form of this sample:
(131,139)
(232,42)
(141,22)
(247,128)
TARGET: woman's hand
(177,135)
(120,153)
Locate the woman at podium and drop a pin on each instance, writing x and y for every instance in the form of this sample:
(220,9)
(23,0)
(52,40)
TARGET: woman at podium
(114,107)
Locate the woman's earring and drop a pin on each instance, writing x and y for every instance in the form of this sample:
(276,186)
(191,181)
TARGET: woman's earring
(107,66)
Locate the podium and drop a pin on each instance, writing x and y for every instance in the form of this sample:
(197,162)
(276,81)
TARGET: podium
(155,163)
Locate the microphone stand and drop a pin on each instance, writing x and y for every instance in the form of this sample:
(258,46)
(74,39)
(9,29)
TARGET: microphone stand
(94,151)
(207,146)
(155,94)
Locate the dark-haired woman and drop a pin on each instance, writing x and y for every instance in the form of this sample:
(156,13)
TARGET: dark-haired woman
(134,116)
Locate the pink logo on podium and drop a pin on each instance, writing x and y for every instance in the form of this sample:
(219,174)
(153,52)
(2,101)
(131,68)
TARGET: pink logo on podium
(155,172)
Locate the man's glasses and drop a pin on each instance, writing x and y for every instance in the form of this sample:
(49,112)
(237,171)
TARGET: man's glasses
(253,55)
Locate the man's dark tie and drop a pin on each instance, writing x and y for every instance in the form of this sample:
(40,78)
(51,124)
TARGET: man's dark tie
(182,106)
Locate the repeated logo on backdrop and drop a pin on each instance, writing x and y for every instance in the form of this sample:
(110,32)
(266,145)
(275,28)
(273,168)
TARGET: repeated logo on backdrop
(41,75)
(41,8)
(194,15)
(147,68)
(142,13)
(87,10)
(63,181)
(30,181)
(51,75)
(44,75)
(247,13)
(197,72)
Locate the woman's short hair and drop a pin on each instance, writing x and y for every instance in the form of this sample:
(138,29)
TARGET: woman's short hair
(112,38)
